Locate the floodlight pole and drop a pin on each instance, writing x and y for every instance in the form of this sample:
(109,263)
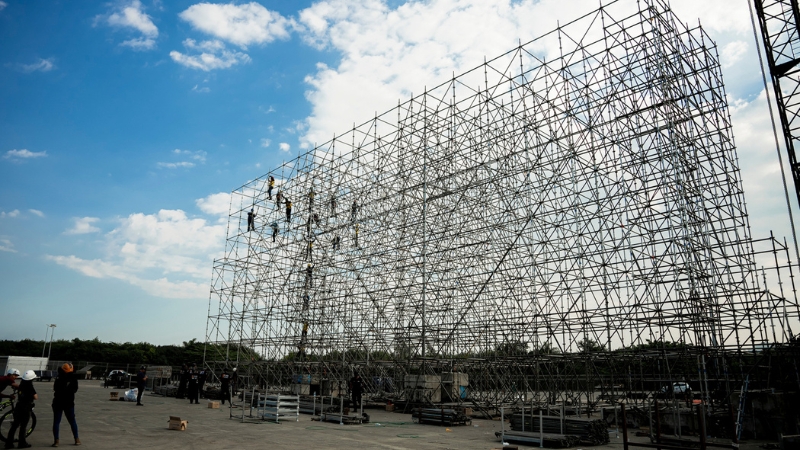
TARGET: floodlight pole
(52,326)
(44,343)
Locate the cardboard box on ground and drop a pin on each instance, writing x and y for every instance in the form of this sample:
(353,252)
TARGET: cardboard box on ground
(175,423)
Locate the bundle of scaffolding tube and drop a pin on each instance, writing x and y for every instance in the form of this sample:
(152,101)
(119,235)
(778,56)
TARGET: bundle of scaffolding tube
(590,432)
(533,439)
(439,416)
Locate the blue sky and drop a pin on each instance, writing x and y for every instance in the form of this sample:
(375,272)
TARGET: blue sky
(123,123)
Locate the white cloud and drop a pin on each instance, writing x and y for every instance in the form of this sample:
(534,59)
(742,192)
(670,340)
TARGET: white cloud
(23,154)
(176,165)
(198,155)
(3,5)
(166,254)
(132,16)
(265,142)
(241,25)
(195,157)
(213,56)
(12,214)
(732,53)
(215,204)
(5,244)
(83,225)
(205,46)
(202,90)
(284,147)
(42,65)
(140,44)
(389,53)
(36,212)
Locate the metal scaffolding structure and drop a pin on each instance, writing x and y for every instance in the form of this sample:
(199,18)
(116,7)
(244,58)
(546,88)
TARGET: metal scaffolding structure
(563,223)
(778,20)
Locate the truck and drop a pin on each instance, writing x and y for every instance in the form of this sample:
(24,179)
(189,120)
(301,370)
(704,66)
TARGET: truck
(22,363)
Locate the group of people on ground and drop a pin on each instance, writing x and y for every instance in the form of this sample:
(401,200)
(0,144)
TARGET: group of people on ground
(25,394)
(65,386)
(192,382)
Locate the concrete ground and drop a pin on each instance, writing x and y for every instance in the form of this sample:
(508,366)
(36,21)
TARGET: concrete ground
(105,424)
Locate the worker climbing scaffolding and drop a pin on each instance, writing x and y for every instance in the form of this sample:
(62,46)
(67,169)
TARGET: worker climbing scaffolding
(336,241)
(270,185)
(274,227)
(251,220)
(278,199)
(288,210)
(354,211)
(309,251)
(309,276)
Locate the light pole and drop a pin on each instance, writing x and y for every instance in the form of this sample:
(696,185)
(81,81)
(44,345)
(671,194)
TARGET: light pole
(52,327)
(44,343)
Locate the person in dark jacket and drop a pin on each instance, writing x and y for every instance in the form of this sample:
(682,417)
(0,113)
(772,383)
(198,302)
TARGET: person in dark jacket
(141,384)
(194,384)
(251,220)
(356,389)
(201,382)
(26,394)
(234,381)
(225,388)
(64,389)
(184,378)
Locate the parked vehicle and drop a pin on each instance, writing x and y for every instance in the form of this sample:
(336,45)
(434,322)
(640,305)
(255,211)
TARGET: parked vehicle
(118,378)
(46,375)
(678,389)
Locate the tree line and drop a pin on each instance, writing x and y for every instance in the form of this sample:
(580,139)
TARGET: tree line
(94,350)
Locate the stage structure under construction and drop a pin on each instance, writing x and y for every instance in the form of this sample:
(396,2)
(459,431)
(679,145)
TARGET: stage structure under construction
(564,223)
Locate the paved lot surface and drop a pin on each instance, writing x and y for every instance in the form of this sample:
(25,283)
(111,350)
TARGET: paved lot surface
(104,424)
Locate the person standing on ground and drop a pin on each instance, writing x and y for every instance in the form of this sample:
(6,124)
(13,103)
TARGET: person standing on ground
(225,389)
(22,411)
(64,389)
(201,382)
(141,384)
(356,388)
(182,382)
(194,378)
